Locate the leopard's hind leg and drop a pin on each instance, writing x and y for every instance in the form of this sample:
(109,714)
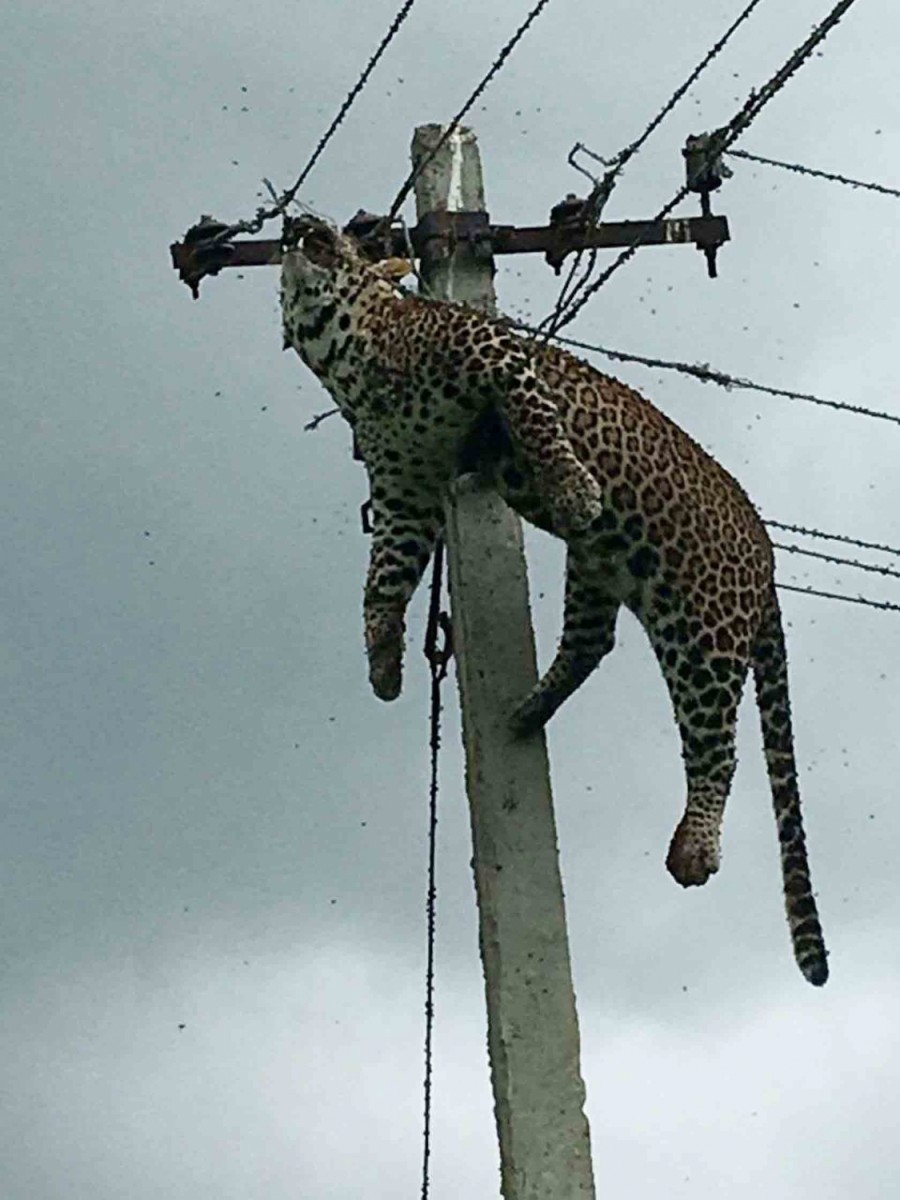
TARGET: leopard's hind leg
(588,636)
(705,688)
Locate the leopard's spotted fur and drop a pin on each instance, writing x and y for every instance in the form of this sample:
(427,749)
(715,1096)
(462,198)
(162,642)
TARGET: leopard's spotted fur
(651,521)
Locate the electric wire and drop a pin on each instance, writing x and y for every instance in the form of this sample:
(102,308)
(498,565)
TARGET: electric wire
(816,174)
(622,158)
(837,560)
(834,537)
(719,142)
(263,214)
(602,188)
(886,605)
(454,124)
(707,374)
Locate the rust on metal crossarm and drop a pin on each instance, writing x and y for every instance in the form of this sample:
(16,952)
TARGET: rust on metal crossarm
(508,239)
(198,254)
(440,232)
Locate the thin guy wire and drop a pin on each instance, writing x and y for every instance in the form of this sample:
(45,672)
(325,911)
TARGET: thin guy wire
(883,604)
(263,214)
(707,374)
(602,188)
(833,558)
(719,142)
(834,537)
(495,67)
(801,170)
(437,674)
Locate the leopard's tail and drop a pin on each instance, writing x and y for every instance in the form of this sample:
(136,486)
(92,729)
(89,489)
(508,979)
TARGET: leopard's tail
(769,660)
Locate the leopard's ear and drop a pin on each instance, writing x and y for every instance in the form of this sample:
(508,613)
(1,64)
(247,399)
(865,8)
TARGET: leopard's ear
(394,269)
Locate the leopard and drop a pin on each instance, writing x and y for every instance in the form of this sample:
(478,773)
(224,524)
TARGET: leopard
(651,522)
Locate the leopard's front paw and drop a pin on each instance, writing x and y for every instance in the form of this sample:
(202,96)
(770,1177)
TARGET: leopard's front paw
(576,501)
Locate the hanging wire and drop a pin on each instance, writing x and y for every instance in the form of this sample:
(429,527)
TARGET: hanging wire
(263,214)
(495,67)
(719,142)
(801,170)
(707,374)
(602,189)
(438,656)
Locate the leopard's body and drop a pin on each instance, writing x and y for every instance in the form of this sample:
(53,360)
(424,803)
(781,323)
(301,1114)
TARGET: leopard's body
(651,521)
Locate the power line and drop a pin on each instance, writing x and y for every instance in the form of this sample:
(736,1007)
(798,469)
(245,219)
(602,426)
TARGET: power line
(833,558)
(255,224)
(883,604)
(707,374)
(600,193)
(493,70)
(623,156)
(719,142)
(801,170)
(834,537)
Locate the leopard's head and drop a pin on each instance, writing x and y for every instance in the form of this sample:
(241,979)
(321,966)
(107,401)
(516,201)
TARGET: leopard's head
(318,261)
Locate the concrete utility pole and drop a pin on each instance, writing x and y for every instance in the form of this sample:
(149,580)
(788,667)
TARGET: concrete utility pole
(532,1023)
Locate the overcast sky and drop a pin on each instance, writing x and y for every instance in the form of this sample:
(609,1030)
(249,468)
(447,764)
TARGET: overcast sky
(213,835)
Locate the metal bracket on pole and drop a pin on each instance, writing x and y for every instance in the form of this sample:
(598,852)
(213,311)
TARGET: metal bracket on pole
(704,174)
(439,233)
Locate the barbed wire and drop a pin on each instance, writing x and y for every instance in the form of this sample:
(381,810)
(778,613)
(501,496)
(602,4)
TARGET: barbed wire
(883,604)
(801,170)
(834,537)
(833,558)
(719,141)
(263,214)
(602,188)
(707,374)
(493,70)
